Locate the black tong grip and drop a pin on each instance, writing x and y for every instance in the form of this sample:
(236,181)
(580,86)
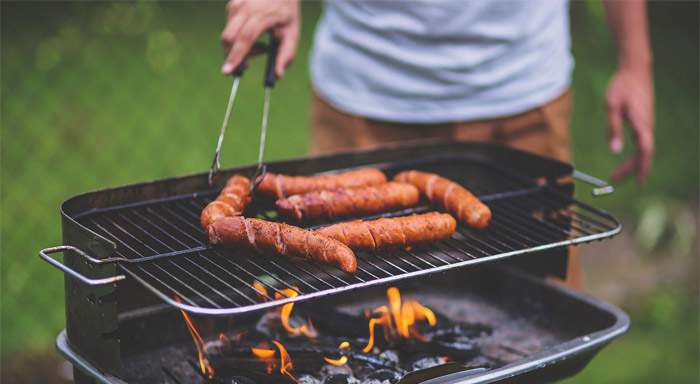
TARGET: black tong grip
(272,50)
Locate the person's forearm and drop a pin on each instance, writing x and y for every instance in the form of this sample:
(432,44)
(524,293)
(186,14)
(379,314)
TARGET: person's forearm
(628,22)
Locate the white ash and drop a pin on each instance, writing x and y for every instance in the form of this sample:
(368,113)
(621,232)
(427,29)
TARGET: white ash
(390,356)
(308,379)
(427,362)
(330,369)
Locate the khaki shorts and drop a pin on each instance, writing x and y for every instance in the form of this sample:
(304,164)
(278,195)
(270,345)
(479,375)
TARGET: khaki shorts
(543,130)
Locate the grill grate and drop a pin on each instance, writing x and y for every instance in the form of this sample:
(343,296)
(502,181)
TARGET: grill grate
(168,252)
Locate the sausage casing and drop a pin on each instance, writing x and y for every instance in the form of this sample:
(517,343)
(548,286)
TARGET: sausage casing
(450,196)
(277,186)
(232,201)
(396,232)
(282,239)
(345,202)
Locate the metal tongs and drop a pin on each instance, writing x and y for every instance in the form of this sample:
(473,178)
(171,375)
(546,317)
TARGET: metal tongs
(269,81)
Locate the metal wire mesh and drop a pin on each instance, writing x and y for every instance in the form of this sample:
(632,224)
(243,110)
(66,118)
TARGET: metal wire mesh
(169,253)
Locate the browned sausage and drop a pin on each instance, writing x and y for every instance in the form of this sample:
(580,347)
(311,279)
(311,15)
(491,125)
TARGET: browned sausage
(397,232)
(282,239)
(345,202)
(450,196)
(280,186)
(231,202)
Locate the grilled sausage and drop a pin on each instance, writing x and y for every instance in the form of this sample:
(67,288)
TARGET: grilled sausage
(282,239)
(397,232)
(231,202)
(280,186)
(450,196)
(344,202)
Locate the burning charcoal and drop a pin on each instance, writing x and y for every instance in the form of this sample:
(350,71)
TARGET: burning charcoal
(341,379)
(382,376)
(427,362)
(330,370)
(330,321)
(308,379)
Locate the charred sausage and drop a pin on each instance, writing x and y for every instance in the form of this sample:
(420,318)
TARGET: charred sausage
(282,239)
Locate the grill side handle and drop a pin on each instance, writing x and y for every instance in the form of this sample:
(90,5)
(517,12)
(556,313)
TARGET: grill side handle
(44,254)
(603,187)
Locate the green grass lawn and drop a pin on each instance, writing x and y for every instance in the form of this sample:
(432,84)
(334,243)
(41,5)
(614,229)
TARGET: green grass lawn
(98,94)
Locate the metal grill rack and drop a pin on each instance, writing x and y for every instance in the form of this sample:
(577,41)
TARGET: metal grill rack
(161,245)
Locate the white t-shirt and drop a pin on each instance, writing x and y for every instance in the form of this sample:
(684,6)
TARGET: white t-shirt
(432,61)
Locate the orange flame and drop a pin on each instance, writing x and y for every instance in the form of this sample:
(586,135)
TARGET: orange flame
(343,359)
(263,353)
(287,311)
(203,362)
(285,362)
(384,320)
(404,315)
(261,288)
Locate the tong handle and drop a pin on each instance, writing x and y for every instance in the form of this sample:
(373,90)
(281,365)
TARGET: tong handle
(238,72)
(44,254)
(272,49)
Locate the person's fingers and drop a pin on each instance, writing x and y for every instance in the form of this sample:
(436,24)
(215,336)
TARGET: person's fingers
(645,153)
(641,124)
(626,169)
(289,37)
(614,117)
(245,38)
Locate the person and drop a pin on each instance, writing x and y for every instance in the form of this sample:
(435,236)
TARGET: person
(387,71)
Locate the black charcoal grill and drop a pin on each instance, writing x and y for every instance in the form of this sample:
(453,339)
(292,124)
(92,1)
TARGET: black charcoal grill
(147,238)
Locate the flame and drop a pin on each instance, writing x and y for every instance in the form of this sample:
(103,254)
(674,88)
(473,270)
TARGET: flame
(404,314)
(343,359)
(287,311)
(203,362)
(261,288)
(222,337)
(285,362)
(384,320)
(263,353)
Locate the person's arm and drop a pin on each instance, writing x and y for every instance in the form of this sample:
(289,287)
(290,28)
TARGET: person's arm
(248,19)
(630,94)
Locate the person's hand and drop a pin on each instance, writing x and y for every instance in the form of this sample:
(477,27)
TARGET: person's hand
(630,99)
(248,19)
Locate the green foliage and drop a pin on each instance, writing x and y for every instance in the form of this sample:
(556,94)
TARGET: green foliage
(662,345)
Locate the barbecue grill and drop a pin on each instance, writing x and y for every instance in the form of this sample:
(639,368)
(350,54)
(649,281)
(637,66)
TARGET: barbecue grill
(122,243)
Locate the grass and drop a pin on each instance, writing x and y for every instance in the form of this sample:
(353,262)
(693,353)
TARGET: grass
(102,94)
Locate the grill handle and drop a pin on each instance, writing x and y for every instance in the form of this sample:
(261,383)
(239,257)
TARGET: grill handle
(44,254)
(603,187)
